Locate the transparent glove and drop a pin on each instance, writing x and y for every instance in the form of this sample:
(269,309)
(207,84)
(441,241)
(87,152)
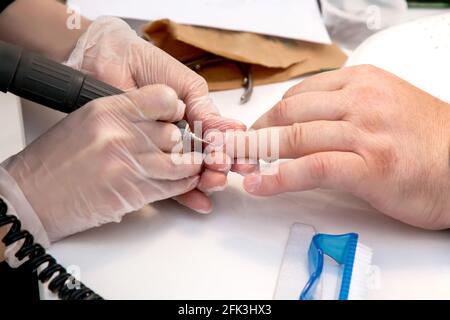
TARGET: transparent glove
(111,157)
(112,52)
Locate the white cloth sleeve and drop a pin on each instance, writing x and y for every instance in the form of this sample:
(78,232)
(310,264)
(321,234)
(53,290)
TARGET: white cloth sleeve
(19,206)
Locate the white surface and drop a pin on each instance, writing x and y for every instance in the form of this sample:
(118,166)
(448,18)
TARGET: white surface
(294,268)
(164,251)
(11,127)
(292,19)
(418,51)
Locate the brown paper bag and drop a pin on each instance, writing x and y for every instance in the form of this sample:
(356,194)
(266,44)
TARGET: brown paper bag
(272,59)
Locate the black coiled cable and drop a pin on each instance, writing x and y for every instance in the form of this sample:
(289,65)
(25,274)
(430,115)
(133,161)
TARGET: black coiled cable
(62,282)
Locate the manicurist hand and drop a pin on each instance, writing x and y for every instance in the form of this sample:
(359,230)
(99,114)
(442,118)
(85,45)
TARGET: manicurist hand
(111,157)
(368,132)
(112,52)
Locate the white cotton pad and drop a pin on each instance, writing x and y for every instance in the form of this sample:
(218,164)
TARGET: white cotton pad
(294,272)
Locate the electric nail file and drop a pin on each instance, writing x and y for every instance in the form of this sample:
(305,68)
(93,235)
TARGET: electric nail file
(54,85)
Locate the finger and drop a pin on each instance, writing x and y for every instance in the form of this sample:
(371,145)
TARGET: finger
(154,190)
(155,102)
(310,106)
(163,166)
(165,136)
(337,170)
(218,123)
(217,161)
(188,85)
(302,139)
(293,141)
(160,67)
(212,181)
(245,166)
(195,200)
(325,81)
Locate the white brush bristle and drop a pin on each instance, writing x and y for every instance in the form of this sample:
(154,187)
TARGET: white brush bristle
(359,285)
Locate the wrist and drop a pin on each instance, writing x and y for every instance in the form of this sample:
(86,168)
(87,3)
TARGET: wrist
(19,206)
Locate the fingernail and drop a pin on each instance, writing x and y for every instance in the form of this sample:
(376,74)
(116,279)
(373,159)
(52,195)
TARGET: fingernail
(215,189)
(252,182)
(204,211)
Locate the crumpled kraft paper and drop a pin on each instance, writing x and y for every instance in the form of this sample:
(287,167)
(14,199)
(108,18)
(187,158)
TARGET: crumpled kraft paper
(272,59)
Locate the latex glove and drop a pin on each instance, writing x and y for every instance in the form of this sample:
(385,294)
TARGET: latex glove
(19,206)
(112,52)
(368,132)
(111,157)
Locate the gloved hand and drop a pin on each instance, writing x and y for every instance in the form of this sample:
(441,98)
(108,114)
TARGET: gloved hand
(112,52)
(111,157)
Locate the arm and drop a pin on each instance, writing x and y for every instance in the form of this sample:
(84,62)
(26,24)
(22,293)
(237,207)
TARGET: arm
(45,33)
(112,52)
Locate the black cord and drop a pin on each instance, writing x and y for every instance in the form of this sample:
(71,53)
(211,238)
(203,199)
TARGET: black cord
(4,4)
(62,282)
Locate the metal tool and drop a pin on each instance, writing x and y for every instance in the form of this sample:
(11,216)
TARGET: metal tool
(187,134)
(54,85)
(210,59)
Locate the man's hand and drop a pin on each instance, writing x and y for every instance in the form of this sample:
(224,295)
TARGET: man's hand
(368,132)
(104,160)
(112,52)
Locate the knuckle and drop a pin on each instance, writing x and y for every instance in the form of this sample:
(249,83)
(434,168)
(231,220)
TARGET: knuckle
(171,170)
(366,69)
(169,107)
(295,136)
(319,168)
(278,178)
(383,157)
(111,143)
(292,90)
(96,109)
(372,121)
(95,132)
(280,111)
(111,167)
(351,134)
(172,133)
(109,139)
(197,84)
(201,83)
(366,94)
